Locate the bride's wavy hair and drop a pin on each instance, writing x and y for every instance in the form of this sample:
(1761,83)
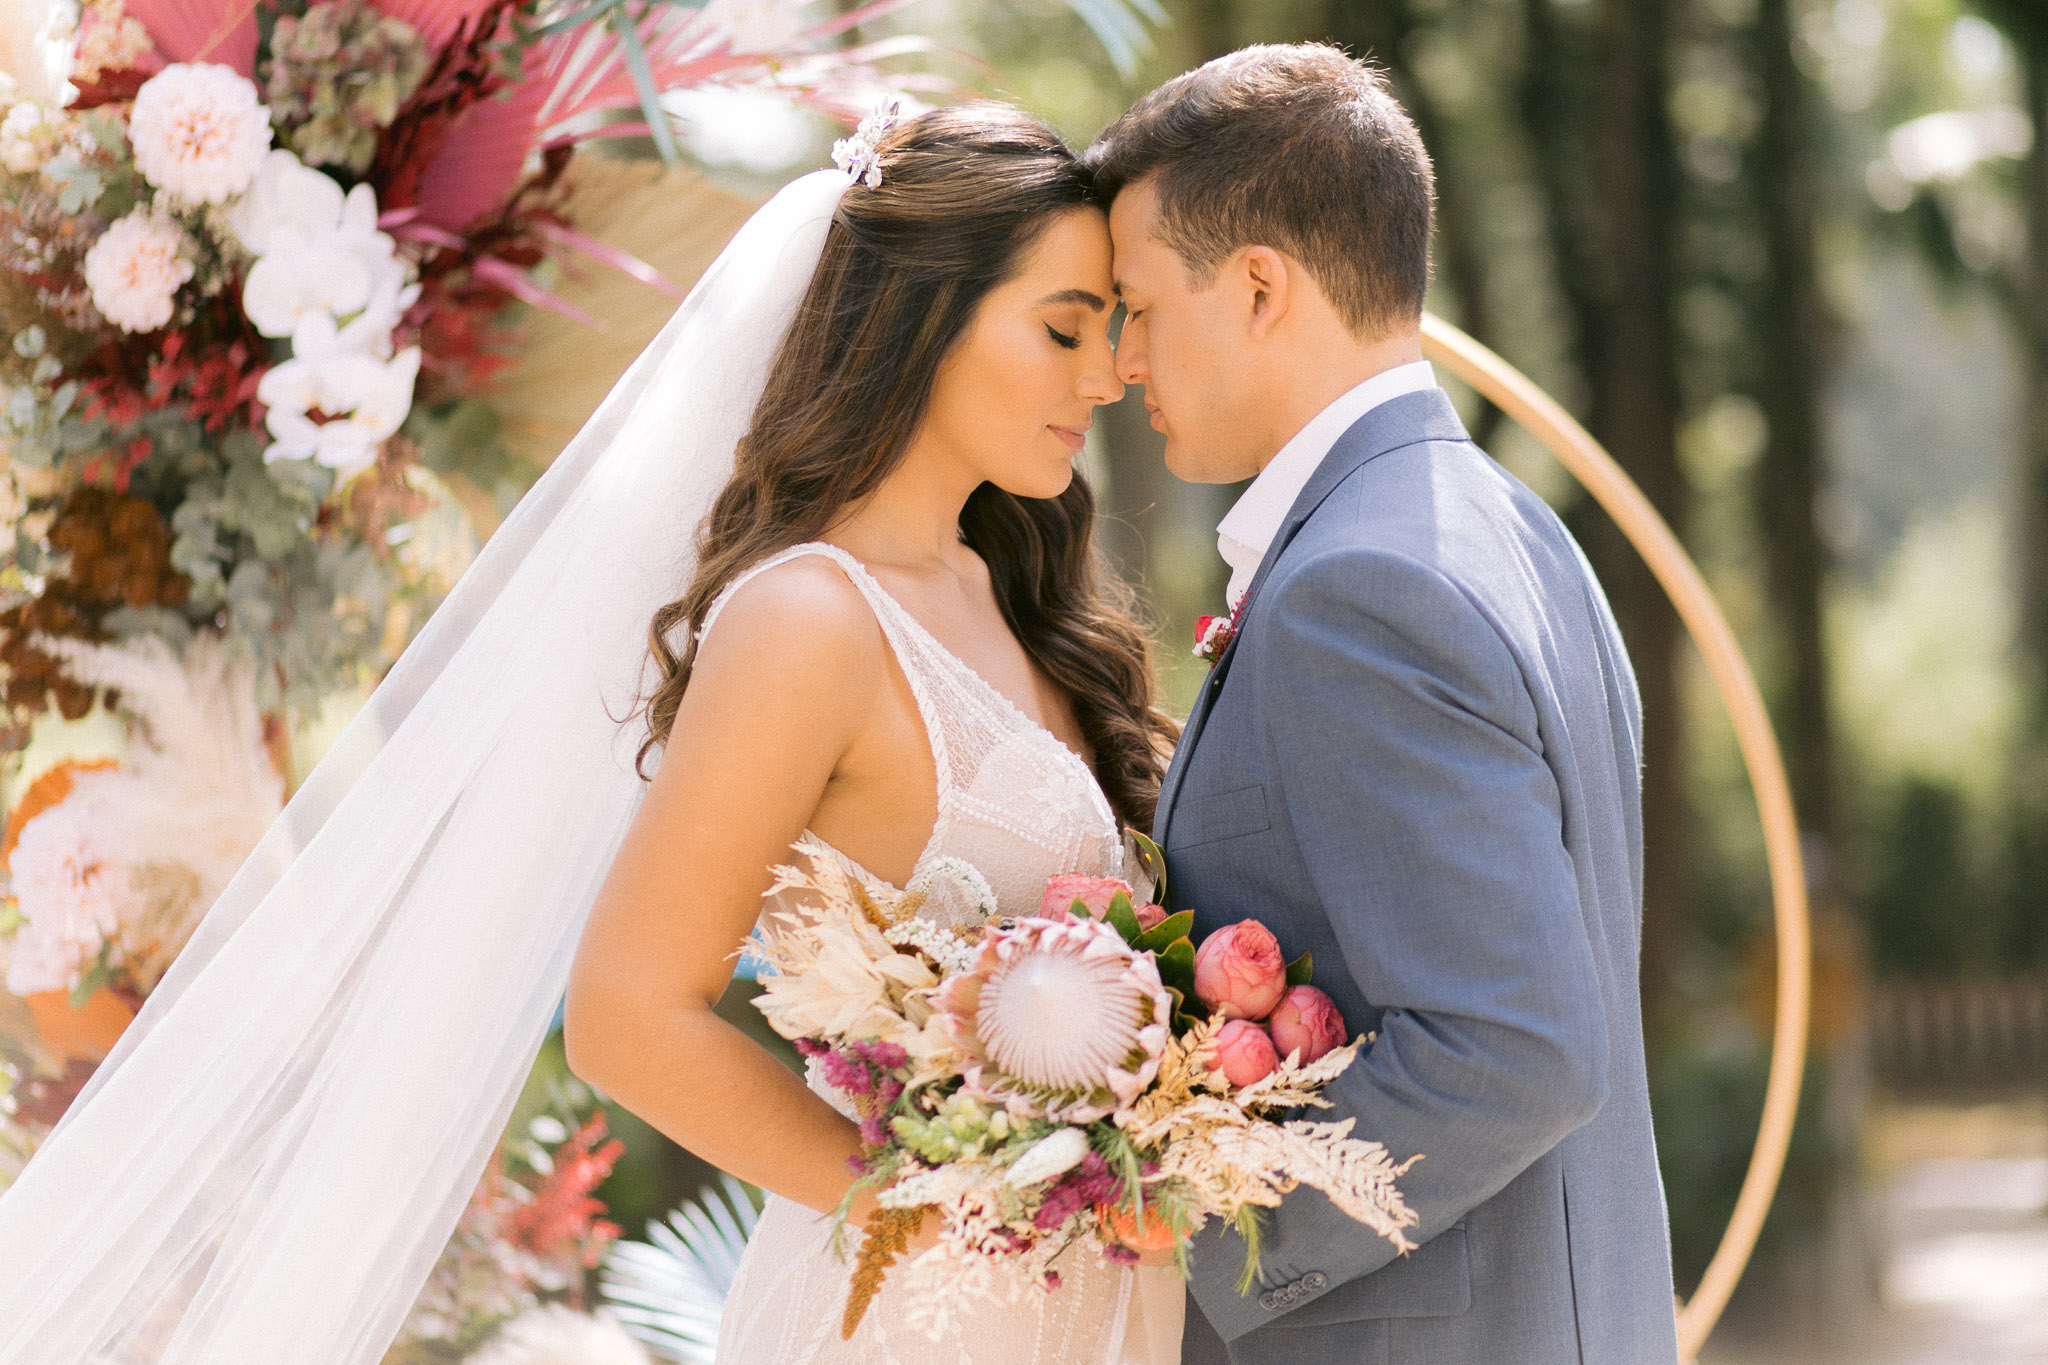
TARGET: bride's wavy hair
(965,192)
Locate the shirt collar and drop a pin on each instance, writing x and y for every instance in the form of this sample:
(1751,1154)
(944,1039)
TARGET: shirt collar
(1248,528)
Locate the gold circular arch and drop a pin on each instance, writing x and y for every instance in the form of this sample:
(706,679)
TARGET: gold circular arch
(1519,397)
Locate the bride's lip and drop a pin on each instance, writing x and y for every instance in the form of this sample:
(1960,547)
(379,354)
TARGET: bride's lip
(1075,437)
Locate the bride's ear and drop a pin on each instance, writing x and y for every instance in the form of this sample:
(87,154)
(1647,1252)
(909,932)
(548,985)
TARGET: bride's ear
(1268,279)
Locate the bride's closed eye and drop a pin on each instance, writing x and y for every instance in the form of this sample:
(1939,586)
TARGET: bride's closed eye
(1070,342)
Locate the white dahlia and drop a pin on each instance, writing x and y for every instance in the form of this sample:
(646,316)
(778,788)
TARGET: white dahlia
(70,891)
(135,268)
(199,132)
(1060,1020)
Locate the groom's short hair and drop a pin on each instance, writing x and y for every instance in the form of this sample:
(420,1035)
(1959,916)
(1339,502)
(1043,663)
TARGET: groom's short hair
(1297,147)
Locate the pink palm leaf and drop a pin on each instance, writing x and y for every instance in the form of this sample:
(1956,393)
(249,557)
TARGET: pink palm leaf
(221,31)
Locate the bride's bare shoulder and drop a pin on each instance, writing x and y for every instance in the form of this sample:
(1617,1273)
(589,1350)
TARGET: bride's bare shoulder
(803,613)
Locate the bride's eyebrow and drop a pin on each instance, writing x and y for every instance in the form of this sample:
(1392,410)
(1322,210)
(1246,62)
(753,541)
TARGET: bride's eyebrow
(1092,299)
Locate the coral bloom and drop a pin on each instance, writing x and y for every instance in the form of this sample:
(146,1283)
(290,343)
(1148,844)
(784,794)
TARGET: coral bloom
(1306,1021)
(1244,1052)
(1239,972)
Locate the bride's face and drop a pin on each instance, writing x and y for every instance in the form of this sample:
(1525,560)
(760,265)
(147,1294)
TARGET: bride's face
(1016,394)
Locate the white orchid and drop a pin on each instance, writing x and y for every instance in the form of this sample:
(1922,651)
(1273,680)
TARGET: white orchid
(319,251)
(334,401)
(199,132)
(35,51)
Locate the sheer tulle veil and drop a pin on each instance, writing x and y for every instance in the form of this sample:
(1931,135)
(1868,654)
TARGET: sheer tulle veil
(271,1159)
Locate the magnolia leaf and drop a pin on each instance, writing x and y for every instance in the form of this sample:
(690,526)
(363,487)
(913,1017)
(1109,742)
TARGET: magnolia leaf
(1122,918)
(1152,860)
(1162,935)
(1177,966)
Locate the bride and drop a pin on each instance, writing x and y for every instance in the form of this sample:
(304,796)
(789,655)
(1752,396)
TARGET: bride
(898,645)
(852,443)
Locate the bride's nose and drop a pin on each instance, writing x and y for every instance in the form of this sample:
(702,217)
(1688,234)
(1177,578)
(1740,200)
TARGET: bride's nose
(1099,383)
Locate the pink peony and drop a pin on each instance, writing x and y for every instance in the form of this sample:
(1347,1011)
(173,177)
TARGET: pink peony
(1095,893)
(1239,972)
(1306,1021)
(1244,1052)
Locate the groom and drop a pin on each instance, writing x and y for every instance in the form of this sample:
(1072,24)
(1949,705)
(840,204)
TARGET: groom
(1417,757)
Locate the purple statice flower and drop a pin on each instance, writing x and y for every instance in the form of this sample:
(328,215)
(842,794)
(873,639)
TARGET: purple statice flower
(1118,1253)
(890,1091)
(811,1047)
(858,1165)
(1052,1280)
(872,1132)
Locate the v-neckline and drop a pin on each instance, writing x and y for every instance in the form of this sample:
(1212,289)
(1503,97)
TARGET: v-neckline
(958,662)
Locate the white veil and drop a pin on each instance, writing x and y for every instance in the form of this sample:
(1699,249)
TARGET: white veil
(270,1161)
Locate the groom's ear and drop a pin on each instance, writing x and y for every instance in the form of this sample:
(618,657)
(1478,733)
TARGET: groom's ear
(1271,285)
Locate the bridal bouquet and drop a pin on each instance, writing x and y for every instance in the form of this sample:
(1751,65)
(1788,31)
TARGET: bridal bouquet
(1086,1079)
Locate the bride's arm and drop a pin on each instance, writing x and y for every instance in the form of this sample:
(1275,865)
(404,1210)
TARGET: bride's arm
(777,696)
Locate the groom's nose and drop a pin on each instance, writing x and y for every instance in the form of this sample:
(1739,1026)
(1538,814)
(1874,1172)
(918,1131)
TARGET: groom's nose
(1132,364)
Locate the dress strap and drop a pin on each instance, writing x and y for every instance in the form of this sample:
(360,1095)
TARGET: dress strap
(897,626)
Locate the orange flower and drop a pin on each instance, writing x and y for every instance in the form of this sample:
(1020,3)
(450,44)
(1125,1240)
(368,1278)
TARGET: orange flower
(1154,1236)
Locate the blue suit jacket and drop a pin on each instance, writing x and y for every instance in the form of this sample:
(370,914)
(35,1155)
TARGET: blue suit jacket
(1420,760)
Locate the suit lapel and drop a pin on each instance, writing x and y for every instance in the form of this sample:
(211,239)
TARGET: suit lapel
(1407,420)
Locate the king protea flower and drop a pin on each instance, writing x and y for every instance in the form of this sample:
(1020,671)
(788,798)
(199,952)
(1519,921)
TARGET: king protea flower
(1060,1020)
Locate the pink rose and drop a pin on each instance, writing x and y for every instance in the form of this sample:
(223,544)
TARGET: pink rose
(1307,1021)
(1239,972)
(1244,1053)
(1094,892)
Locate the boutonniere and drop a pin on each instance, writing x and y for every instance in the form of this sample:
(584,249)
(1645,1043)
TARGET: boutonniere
(1213,633)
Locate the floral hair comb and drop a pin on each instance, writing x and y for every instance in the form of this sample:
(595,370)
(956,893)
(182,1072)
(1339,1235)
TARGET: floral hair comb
(860,155)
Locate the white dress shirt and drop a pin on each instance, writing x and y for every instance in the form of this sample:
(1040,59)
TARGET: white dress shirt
(1248,528)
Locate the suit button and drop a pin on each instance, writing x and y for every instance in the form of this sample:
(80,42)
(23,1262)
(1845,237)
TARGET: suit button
(1313,1280)
(1269,1299)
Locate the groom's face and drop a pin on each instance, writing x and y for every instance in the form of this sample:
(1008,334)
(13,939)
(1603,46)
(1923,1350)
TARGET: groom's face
(1184,343)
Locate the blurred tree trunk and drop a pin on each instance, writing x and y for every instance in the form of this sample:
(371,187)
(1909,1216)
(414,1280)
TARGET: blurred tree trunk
(1380,31)
(2034,462)
(1594,100)
(1792,344)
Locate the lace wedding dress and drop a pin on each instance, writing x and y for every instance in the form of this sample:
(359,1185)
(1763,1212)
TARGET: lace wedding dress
(1018,805)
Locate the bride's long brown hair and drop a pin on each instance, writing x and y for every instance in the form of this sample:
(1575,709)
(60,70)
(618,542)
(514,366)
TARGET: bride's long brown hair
(965,192)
